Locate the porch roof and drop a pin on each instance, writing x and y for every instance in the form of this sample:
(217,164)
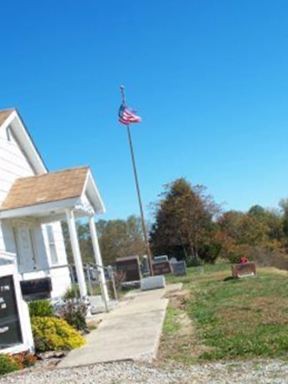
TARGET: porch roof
(52,191)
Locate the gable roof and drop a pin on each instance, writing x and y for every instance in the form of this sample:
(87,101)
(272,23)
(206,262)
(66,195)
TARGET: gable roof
(4,114)
(47,188)
(54,191)
(11,119)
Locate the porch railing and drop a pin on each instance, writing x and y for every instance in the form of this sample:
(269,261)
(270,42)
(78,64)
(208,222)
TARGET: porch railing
(91,273)
(93,283)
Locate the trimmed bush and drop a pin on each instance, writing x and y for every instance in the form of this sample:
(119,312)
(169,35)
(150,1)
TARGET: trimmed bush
(53,334)
(8,364)
(41,308)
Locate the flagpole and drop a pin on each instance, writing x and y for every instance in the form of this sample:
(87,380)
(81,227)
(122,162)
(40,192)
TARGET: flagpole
(148,250)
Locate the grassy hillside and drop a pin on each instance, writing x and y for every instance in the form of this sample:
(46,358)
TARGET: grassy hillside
(221,318)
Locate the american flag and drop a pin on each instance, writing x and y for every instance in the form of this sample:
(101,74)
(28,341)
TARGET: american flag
(128,116)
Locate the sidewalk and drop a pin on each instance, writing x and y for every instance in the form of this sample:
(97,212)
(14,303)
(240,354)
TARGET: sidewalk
(130,332)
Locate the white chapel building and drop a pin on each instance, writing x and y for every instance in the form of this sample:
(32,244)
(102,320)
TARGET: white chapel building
(33,201)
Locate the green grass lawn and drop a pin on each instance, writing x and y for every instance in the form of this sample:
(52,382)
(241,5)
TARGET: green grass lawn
(230,318)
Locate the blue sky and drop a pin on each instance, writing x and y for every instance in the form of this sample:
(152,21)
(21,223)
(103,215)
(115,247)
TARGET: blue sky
(209,78)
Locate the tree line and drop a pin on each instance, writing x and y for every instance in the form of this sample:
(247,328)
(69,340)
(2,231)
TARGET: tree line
(117,238)
(188,224)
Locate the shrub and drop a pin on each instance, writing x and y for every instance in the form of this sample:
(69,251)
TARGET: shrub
(41,308)
(25,359)
(71,293)
(75,314)
(53,334)
(194,261)
(11,363)
(8,364)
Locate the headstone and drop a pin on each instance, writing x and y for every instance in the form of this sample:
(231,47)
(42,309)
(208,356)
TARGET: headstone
(160,258)
(145,269)
(161,268)
(179,268)
(152,282)
(130,266)
(243,270)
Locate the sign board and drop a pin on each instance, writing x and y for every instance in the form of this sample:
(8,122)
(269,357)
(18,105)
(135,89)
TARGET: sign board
(179,268)
(10,331)
(15,327)
(37,288)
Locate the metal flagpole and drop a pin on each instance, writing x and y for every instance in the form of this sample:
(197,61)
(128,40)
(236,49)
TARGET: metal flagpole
(149,254)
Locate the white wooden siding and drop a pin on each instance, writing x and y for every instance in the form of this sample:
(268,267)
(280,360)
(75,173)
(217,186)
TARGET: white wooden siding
(60,281)
(13,163)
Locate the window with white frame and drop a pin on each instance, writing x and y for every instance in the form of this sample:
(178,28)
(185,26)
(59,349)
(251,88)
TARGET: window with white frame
(52,244)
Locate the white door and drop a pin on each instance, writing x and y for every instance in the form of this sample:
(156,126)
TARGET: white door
(25,248)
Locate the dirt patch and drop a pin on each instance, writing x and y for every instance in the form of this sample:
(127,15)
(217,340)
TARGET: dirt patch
(178,299)
(183,344)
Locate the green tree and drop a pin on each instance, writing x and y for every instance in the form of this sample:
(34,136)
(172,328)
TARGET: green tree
(284,207)
(259,231)
(84,242)
(120,238)
(184,224)
(117,238)
(271,219)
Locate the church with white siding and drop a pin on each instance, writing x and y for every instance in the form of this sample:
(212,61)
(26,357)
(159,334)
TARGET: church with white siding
(33,202)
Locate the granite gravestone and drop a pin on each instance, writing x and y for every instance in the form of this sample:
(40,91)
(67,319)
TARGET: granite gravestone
(243,270)
(179,268)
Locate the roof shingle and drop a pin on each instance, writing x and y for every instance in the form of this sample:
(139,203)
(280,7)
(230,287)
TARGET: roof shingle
(53,186)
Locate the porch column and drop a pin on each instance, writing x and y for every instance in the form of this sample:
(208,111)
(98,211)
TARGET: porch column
(98,259)
(76,252)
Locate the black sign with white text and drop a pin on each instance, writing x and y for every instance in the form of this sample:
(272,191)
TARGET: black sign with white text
(10,332)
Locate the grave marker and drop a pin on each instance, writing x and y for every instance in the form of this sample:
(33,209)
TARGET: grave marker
(179,268)
(243,270)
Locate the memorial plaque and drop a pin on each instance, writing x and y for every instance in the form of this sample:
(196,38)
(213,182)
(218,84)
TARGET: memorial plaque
(179,268)
(10,331)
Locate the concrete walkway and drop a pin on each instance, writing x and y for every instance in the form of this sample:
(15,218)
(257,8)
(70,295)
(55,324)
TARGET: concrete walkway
(130,332)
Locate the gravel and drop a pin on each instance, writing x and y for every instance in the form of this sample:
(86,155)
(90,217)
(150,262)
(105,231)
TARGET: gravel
(271,371)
